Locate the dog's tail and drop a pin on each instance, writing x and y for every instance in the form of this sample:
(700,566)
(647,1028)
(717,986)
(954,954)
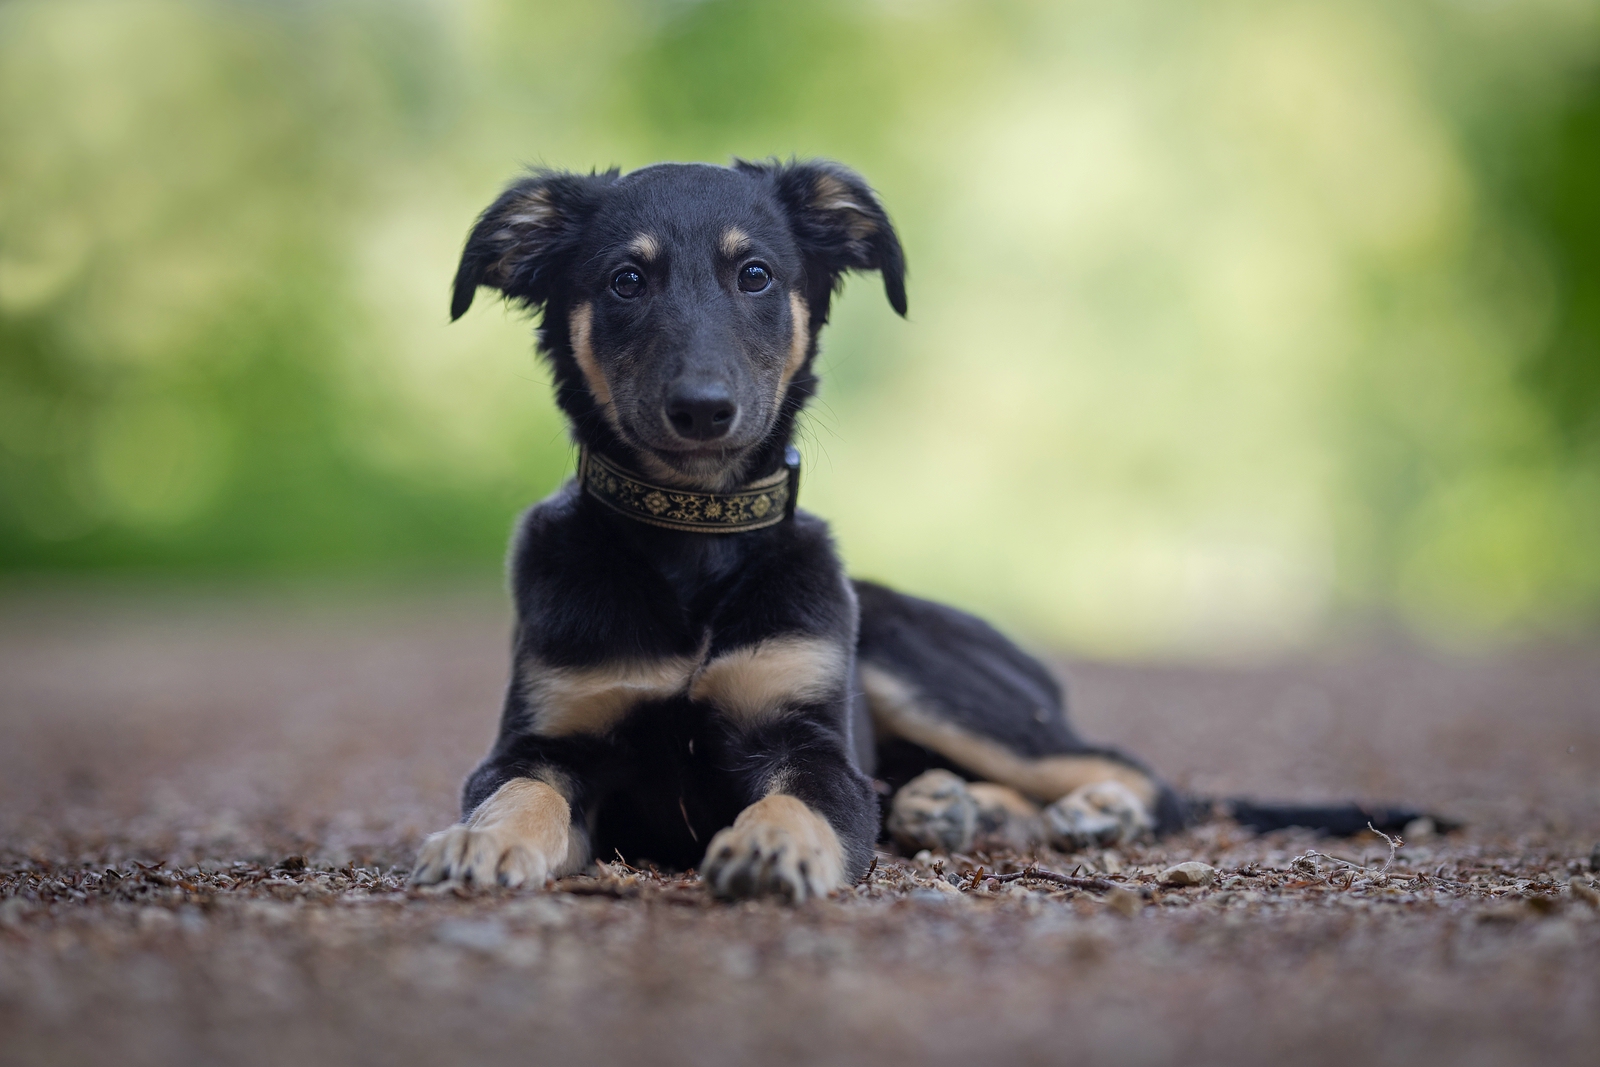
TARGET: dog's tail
(1334,820)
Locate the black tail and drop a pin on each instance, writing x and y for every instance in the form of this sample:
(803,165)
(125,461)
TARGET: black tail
(1335,820)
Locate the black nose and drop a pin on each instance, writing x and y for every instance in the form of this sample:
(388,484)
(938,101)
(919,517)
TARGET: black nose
(701,413)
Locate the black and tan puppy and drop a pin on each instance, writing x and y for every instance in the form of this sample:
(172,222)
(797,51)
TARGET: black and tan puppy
(695,680)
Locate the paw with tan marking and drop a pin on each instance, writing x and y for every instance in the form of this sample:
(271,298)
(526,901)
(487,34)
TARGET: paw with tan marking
(776,847)
(934,810)
(1101,813)
(518,837)
(1006,818)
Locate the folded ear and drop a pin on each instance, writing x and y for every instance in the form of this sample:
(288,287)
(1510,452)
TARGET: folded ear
(839,224)
(525,240)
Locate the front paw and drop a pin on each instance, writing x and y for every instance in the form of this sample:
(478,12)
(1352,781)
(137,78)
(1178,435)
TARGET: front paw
(777,847)
(519,836)
(482,857)
(1102,813)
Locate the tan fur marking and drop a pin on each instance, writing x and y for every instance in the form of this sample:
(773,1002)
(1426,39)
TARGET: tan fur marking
(579,323)
(522,835)
(591,700)
(897,710)
(832,195)
(734,242)
(532,209)
(991,795)
(532,812)
(529,212)
(799,339)
(792,814)
(645,247)
(752,683)
(777,846)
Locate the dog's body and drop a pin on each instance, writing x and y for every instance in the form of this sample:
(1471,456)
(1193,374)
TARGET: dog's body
(713,690)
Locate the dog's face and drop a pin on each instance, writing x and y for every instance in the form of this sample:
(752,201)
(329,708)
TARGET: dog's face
(682,301)
(686,314)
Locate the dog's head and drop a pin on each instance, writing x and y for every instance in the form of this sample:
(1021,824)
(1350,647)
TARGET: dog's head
(681,302)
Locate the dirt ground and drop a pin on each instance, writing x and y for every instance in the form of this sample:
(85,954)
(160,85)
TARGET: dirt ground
(208,805)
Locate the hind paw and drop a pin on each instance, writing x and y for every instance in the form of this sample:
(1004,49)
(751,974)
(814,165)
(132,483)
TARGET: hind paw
(1103,813)
(934,810)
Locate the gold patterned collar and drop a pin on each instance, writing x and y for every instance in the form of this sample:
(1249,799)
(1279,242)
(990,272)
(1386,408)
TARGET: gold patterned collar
(753,506)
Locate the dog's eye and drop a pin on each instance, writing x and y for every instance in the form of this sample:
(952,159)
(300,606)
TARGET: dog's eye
(627,284)
(754,277)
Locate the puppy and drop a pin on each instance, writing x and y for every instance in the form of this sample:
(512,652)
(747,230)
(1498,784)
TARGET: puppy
(695,681)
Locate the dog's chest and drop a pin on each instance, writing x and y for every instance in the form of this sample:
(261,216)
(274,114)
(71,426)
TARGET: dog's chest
(744,685)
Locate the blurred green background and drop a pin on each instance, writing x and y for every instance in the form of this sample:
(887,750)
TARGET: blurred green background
(1232,324)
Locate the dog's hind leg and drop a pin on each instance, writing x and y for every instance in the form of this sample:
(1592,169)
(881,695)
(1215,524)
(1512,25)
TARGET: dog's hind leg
(949,693)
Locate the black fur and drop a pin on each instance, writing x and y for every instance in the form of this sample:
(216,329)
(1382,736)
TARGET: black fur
(976,678)
(678,315)
(592,587)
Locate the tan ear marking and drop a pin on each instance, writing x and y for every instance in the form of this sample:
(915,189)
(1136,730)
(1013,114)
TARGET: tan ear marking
(832,196)
(531,209)
(528,212)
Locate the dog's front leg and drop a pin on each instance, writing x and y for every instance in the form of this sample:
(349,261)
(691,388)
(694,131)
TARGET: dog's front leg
(812,816)
(523,826)
(779,846)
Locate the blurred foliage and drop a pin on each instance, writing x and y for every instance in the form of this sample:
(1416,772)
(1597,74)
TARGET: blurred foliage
(1230,322)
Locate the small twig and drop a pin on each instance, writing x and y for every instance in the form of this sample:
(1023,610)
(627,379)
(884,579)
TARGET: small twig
(865,878)
(1311,856)
(1100,885)
(1394,843)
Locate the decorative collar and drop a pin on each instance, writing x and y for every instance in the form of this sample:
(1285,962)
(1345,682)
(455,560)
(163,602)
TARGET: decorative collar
(753,506)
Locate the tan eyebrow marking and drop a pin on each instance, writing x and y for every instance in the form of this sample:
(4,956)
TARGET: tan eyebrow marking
(734,242)
(645,246)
